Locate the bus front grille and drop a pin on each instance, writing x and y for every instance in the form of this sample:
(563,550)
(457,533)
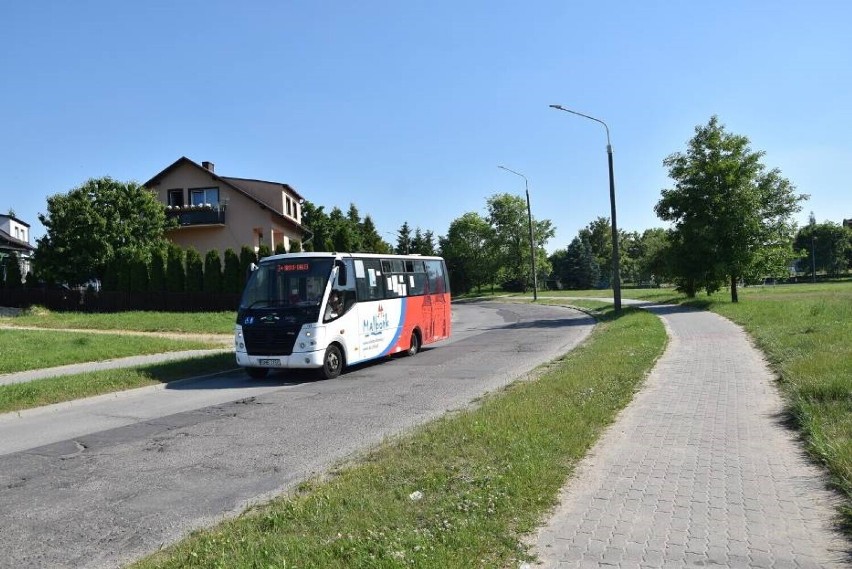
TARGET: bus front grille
(262,341)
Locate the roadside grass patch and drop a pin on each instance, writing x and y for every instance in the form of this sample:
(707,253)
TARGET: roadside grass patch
(461,491)
(18,396)
(34,349)
(140,321)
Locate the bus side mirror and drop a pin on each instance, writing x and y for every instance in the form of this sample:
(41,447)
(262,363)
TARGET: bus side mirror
(341,273)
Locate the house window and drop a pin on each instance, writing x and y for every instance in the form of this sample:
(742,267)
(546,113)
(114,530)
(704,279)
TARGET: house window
(289,207)
(176,197)
(199,196)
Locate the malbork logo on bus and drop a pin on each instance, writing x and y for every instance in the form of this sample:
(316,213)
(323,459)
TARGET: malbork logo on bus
(377,324)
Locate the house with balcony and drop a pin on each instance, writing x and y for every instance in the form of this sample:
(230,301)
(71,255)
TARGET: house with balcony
(15,238)
(214,212)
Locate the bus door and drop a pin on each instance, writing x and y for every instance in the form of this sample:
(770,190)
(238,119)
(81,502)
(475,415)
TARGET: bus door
(419,301)
(378,316)
(439,295)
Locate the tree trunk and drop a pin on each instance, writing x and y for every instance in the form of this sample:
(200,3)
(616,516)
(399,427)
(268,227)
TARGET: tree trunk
(734,297)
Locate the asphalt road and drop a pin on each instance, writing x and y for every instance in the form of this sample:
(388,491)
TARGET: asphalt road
(101,482)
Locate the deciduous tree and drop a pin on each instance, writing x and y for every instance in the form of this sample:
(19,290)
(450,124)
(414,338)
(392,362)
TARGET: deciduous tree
(598,234)
(730,213)
(507,215)
(94,224)
(824,246)
(467,251)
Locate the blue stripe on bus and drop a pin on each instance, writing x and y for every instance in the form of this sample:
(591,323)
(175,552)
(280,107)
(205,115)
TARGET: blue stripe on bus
(400,326)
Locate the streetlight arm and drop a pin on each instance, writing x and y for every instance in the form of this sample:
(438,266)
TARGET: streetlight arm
(526,183)
(561,108)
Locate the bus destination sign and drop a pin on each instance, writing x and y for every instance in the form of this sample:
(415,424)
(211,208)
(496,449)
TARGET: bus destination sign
(289,267)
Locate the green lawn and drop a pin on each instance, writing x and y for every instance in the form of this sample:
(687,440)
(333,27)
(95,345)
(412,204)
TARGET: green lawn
(34,349)
(459,492)
(189,322)
(18,396)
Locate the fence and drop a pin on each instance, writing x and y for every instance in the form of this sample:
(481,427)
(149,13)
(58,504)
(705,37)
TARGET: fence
(69,300)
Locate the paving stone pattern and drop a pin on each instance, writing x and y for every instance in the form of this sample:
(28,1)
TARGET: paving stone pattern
(698,471)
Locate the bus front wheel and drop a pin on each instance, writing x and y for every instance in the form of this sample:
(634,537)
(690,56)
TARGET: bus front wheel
(332,362)
(257,372)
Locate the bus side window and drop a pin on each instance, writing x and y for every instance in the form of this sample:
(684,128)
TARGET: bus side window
(368,279)
(417,283)
(435,271)
(395,285)
(416,275)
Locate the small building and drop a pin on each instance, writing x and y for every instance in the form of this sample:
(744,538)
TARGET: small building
(15,238)
(216,212)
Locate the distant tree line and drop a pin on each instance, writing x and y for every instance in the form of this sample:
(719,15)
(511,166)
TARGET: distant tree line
(730,223)
(494,249)
(336,231)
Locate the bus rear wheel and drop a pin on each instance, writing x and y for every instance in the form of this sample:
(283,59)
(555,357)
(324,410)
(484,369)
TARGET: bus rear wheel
(257,372)
(332,363)
(414,345)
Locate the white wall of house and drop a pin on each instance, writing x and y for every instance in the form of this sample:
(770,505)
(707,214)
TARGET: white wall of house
(15,227)
(19,230)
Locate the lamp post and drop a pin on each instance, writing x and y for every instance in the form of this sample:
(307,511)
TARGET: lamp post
(529,219)
(616,275)
(813,258)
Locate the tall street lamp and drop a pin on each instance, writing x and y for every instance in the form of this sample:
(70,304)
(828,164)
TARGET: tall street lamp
(813,258)
(616,274)
(529,219)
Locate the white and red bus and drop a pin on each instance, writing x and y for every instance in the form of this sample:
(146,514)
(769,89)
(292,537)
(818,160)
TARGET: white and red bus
(329,310)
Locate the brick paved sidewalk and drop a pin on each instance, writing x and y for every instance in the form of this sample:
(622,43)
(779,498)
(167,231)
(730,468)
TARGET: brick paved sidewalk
(699,470)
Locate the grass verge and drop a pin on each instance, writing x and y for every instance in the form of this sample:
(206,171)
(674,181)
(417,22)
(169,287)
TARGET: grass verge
(34,349)
(189,322)
(459,492)
(18,396)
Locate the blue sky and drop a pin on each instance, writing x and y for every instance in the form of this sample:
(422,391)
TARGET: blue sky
(407,107)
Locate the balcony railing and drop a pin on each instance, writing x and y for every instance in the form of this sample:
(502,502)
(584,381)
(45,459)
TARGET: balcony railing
(197,215)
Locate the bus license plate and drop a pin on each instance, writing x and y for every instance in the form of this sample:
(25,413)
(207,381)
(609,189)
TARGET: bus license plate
(269,362)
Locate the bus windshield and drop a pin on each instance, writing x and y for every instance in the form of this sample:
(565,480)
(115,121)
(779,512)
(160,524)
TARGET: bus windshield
(287,284)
